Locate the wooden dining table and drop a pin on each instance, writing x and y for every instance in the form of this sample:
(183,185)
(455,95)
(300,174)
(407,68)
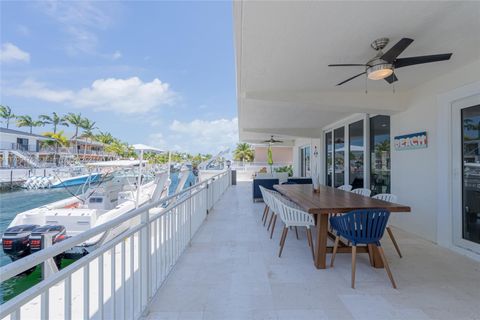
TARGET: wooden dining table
(329,201)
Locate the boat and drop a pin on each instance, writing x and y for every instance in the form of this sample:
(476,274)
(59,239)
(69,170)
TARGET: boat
(107,200)
(211,167)
(69,177)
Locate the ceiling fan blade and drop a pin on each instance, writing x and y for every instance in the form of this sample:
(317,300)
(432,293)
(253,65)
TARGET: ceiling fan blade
(347,65)
(397,48)
(358,75)
(391,78)
(403,62)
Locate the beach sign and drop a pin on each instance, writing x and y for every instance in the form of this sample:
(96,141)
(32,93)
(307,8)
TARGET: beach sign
(411,141)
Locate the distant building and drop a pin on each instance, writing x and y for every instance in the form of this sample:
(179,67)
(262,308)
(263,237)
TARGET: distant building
(20,148)
(24,149)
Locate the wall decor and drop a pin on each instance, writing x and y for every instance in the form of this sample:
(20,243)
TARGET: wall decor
(411,141)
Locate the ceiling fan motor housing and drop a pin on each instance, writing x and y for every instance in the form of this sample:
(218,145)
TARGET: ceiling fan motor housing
(379,44)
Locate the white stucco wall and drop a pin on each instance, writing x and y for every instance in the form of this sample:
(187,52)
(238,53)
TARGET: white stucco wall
(415,174)
(302,142)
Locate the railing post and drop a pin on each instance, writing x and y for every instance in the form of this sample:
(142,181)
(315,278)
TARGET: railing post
(145,260)
(48,267)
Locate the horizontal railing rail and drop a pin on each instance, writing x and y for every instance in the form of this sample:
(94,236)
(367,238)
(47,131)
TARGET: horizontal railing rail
(148,250)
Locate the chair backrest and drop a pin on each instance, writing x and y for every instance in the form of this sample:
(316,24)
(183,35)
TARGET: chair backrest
(361,226)
(345,187)
(291,214)
(264,192)
(386,197)
(268,197)
(363,191)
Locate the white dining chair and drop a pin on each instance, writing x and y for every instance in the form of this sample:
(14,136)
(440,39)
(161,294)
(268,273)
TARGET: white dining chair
(362,191)
(389,198)
(345,187)
(265,194)
(292,216)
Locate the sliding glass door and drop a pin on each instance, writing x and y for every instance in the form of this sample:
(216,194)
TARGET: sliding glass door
(339,156)
(305,161)
(380,154)
(329,159)
(356,153)
(470,174)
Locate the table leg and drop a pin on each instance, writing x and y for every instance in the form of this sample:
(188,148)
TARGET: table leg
(321,247)
(375,257)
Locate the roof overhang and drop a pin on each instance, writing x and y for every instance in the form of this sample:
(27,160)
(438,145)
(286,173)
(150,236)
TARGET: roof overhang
(284,86)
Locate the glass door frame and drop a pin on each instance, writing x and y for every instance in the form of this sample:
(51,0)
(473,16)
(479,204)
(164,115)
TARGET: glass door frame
(457,173)
(345,123)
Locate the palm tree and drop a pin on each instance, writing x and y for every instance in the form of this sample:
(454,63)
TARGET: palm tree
(243,152)
(88,127)
(104,137)
(6,113)
(55,120)
(75,120)
(27,121)
(57,139)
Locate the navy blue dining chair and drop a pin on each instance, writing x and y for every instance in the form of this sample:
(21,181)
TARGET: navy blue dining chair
(361,227)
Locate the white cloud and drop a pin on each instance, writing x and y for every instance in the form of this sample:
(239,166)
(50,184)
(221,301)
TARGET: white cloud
(116,55)
(205,136)
(11,53)
(80,20)
(126,96)
(33,89)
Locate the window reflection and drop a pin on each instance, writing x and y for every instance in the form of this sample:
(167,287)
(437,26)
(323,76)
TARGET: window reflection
(380,154)
(328,163)
(339,157)
(356,153)
(471,173)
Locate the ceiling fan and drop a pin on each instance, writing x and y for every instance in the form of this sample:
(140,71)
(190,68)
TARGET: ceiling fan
(272,140)
(383,65)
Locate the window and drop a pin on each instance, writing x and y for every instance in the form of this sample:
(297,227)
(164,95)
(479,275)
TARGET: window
(22,144)
(356,151)
(329,161)
(339,157)
(305,161)
(380,154)
(471,173)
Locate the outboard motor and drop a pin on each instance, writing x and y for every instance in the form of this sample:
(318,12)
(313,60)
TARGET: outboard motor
(58,233)
(15,241)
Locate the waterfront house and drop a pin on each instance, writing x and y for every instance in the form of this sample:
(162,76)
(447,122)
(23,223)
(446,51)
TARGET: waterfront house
(208,256)
(20,148)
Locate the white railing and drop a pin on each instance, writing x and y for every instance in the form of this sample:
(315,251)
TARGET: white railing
(118,279)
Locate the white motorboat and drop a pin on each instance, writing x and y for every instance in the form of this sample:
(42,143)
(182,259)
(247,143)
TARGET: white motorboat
(99,203)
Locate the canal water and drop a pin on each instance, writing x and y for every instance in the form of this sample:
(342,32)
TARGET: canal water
(14,202)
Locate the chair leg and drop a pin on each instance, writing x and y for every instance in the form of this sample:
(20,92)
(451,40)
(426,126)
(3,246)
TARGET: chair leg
(282,241)
(271,219)
(264,212)
(273,226)
(387,267)
(296,232)
(310,242)
(390,233)
(266,218)
(335,248)
(354,261)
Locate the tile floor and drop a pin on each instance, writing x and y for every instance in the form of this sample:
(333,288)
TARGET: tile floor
(232,271)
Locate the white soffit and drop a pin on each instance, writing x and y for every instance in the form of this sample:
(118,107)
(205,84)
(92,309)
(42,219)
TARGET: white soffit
(283,49)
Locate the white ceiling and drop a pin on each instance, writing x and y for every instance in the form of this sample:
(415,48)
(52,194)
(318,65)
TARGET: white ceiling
(283,49)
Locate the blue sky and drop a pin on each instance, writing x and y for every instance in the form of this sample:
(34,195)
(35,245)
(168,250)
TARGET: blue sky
(161,73)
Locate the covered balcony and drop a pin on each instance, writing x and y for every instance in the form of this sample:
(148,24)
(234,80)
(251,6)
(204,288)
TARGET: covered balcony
(232,271)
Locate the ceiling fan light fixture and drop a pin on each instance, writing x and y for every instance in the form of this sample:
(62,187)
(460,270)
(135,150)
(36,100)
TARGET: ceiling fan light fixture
(379,71)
